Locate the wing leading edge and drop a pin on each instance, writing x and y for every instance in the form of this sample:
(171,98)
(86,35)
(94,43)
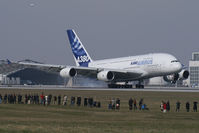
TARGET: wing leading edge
(91,72)
(119,74)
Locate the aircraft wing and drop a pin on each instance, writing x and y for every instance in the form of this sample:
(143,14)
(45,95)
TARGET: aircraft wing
(45,67)
(120,75)
(83,71)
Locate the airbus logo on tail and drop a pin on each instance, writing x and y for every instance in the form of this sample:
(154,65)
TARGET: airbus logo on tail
(83,58)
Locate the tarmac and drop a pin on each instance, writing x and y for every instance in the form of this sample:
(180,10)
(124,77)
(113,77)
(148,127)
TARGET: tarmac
(152,89)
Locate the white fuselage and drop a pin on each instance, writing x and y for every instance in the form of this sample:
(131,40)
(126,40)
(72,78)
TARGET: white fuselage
(119,69)
(157,64)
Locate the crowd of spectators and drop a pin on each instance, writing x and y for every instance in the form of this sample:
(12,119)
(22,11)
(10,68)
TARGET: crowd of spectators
(113,104)
(165,106)
(194,106)
(47,100)
(133,104)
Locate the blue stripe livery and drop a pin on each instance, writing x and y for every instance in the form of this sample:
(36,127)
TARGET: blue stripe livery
(81,56)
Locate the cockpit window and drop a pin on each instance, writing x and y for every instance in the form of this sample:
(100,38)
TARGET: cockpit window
(174,61)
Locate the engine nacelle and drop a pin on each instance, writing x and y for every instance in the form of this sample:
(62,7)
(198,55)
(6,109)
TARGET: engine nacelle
(68,72)
(105,76)
(171,78)
(184,74)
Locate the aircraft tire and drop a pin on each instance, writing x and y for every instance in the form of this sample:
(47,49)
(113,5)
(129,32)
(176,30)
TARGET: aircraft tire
(139,86)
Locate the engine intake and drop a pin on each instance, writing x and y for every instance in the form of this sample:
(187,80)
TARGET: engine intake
(184,74)
(105,76)
(171,78)
(68,72)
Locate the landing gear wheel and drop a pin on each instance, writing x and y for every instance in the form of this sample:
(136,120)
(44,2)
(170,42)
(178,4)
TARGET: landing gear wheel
(139,86)
(119,86)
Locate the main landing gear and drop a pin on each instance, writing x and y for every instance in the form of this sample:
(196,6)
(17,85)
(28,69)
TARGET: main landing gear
(139,85)
(119,86)
(126,85)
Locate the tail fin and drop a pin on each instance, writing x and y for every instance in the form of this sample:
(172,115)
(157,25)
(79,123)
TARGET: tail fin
(81,56)
(8,61)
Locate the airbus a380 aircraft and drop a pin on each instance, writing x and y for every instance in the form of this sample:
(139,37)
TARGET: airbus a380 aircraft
(112,71)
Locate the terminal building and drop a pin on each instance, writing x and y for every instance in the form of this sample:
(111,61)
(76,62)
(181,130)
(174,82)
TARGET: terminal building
(13,73)
(194,70)
(17,74)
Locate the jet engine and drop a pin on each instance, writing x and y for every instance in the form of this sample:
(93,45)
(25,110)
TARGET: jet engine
(184,74)
(68,72)
(171,78)
(105,76)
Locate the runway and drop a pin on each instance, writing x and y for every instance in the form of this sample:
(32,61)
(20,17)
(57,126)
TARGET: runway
(153,89)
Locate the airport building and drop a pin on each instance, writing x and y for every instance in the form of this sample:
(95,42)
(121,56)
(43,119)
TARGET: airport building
(194,70)
(4,80)
(16,74)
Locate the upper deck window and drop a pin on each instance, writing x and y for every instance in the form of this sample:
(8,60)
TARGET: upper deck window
(174,61)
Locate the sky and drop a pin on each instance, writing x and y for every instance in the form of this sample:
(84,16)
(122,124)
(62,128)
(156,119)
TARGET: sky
(36,29)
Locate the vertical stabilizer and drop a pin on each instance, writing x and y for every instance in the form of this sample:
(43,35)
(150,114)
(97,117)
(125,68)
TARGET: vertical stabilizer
(81,56)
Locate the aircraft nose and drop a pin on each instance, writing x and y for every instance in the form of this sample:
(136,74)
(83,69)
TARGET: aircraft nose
(178,66)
